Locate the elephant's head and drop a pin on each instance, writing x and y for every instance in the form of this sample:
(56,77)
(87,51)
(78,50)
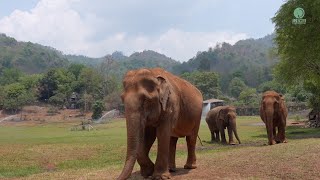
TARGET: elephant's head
(228,115)
(145,96)
(271,102)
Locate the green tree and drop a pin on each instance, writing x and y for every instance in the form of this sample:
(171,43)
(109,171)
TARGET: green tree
(236,86)
(56,81)
(91,82)
(30,81)
(2,94)
(15,96)
(110,85)
(299,47)
(98,108)
(206,82)
(76,69)
(272,85)
(59,99)
(10,75)
(249,97)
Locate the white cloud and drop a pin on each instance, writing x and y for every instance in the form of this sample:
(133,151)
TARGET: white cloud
(51,23)
(174,43)
(58,24)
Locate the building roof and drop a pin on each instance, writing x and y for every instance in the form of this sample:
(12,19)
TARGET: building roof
(213,100)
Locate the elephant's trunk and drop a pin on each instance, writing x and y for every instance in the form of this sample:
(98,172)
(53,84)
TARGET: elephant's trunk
(133,138)
(234,129)
(269,125)
(236,134)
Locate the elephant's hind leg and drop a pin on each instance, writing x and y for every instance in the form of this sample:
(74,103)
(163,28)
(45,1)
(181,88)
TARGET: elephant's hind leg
(172,154)
(146,165)
(191,160)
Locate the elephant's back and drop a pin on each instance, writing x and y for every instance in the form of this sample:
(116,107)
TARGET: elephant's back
(213,113)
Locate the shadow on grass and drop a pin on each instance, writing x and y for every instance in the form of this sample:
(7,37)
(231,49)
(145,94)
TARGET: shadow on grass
(297,132)
(208,145)
(180,171)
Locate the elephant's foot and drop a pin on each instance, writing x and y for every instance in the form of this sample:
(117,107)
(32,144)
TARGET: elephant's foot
(284,140)
(190,166)
(232,143)
(273,142)
(161,176)
(147,171)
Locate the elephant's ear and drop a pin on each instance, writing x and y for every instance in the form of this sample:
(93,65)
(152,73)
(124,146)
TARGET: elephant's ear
(164,92)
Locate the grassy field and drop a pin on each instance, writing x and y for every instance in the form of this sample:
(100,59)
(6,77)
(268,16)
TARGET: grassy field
(53,151)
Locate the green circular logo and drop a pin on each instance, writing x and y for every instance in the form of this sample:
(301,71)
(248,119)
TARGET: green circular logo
(298,13)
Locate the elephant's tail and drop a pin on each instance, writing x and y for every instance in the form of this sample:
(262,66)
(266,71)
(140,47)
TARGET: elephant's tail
(200,140)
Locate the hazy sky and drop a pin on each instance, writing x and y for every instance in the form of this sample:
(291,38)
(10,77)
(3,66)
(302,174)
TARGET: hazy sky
(176,28)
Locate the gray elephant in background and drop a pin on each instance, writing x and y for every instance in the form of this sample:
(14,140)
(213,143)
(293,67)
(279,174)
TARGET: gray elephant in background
(218,119)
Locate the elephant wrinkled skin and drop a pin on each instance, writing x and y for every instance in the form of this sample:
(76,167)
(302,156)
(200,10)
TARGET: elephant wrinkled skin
(273,113)
(163,106)
(218,119)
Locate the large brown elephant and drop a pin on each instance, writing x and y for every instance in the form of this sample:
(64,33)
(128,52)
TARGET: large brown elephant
(163,106)
(273,113)
(218,119)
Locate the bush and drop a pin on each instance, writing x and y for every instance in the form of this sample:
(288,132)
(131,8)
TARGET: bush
(98,107)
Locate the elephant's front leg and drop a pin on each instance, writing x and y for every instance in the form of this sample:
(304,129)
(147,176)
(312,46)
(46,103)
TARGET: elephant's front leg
(223,136)
(161,165)
(146,165)
(282,134)
(172,155)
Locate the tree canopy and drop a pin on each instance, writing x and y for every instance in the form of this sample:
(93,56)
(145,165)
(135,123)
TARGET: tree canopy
(206,82)
(298,47)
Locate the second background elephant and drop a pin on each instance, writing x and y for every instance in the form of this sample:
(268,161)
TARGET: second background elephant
(218,119)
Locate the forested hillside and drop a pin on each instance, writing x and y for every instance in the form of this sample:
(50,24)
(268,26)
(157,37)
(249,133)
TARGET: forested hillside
(117,63)
(249,60)
(237,73)
(28,57)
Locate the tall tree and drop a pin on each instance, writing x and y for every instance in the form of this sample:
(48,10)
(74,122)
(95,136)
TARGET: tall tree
(15,96)
(10,75)
(206,82)
(299,46)
(236,86)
